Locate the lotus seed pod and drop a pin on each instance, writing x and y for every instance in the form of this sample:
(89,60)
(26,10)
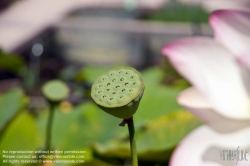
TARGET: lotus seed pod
(55,91)
(119,91)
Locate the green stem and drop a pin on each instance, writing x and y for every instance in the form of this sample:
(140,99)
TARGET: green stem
(131,129)
(49,129)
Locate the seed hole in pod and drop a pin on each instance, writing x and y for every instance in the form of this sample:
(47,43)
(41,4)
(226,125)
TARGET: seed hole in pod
(100,86)
(131,90)
(107,90)
(108,84)
(121,97)
(104,96)
(113,80)
(114,93)
(99,92)
(131,77)
(126,84)
(126,73)
(134,83)
(121,79)
(117,86)
(111,73)
(111,99)
(103,78)
(123,90)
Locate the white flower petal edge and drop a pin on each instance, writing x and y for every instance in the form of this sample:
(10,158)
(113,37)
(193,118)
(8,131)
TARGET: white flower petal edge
(244,63)
(201,147)
(200,60)
(232,29)
(196,103)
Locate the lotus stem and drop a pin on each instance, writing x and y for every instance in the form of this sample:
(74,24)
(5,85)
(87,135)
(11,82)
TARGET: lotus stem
(49,129)
(132,141)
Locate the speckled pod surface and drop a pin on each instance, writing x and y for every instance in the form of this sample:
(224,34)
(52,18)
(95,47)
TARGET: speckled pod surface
(119,91)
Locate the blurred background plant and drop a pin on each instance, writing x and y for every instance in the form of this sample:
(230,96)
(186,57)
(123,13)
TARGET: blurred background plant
(77,42)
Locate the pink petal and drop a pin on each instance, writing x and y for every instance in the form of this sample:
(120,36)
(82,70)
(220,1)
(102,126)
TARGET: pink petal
(197,104)
(212,70)
(244,60)
(232,29)
(202,147)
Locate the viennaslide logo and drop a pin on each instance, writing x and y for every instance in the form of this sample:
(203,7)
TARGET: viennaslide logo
(230,155)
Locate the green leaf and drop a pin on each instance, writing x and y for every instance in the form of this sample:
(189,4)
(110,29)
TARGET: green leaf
(22,134)
(10,103)
(152,76)
(157,100)
(156,140)
(164,133)
(90,73)
(61,124)
(80,128)
(12,63)
(177,12)
(68,73)
(91,126)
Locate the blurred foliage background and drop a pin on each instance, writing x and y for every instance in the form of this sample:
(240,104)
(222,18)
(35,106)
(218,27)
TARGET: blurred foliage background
(160,123)
(77,55)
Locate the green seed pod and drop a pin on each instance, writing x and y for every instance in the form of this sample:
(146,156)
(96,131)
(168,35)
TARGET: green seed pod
(119,91)
(55,91)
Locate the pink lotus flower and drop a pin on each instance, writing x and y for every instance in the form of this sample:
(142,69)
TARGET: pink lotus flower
(213,5)
(218,69)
